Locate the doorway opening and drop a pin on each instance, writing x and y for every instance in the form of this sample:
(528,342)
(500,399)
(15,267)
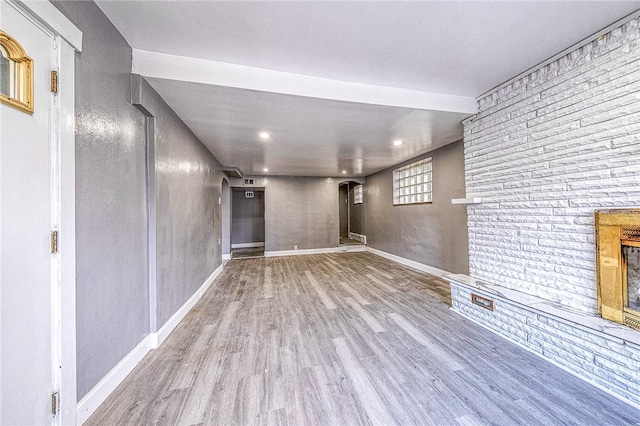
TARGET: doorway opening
(247,223)
(351,213)
(225,204)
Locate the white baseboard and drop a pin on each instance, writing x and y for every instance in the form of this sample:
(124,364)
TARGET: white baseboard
(341,249)
(358,237)
(412,263)
(175,319)
(247,245)
(299,252)
(96,396)
(350,248)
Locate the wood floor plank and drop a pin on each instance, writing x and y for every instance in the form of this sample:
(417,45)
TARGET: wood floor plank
(444,358)
(379,272)
(365,315)
(365,391)
(268,282)
(356,296)
(344,339)
(324,297)
(382,284)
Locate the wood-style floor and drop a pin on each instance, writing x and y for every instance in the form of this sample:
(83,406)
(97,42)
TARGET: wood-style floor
(344,339)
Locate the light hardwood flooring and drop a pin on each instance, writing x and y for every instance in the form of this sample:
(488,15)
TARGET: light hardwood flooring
(344,339)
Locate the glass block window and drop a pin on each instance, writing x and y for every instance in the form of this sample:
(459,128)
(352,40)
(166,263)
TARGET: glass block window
(412,183)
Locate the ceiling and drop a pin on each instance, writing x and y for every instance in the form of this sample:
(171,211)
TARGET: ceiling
(334,83)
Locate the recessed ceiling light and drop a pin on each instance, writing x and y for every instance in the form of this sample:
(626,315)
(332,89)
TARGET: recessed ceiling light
(265,170)
(344,172)
(264,135)
(398,142)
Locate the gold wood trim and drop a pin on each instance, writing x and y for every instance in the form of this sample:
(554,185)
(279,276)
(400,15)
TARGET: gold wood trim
(25,69)
(615,229)
(632,320)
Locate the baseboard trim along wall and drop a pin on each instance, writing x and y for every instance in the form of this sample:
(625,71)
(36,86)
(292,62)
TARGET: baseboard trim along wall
(175,319)
(113,378)
(358,237)
(247,245)
(96,396)
(412,263)
(341,249)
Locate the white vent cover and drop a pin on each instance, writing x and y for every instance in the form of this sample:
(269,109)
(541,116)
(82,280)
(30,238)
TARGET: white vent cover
(248,194)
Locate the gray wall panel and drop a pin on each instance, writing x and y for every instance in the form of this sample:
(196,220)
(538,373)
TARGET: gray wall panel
(111,224)
(188,184)
(434,234)
(111,228)
(300,211)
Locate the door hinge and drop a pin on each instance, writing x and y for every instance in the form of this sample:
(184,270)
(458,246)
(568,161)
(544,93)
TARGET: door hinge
(55,403)
(54,241)
(54,81)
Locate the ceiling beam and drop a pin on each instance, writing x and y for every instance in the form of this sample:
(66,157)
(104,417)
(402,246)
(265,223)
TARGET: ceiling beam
(203,71)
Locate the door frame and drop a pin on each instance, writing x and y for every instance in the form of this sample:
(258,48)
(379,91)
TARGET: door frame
(67,40)
(347,185)
(225,218)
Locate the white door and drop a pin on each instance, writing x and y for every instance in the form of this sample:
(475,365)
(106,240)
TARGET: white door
(28,270)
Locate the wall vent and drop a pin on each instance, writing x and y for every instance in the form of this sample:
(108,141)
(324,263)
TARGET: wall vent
(248,181)
(482,301)
(248,194)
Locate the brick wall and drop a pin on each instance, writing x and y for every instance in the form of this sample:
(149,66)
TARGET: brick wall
(544,153)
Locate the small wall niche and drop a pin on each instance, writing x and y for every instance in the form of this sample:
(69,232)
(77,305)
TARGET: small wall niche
(16,75)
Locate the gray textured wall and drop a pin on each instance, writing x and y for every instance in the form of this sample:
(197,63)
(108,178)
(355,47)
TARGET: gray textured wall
(248,217)
(111,236)
(299,211)
(434,234)
(188,184)
(111,223)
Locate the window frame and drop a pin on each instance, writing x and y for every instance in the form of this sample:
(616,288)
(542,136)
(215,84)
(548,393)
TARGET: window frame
(20,75)
(410,183)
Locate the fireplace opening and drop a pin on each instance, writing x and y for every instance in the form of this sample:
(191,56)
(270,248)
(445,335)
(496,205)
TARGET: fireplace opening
(631,275)
(618,265)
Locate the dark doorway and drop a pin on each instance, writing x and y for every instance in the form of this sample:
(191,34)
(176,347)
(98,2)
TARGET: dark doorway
(247,224)
(343,197)
(351,214)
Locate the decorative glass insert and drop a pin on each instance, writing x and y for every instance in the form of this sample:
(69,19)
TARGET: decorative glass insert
(16,75)
(412,183)
(632,260)
(357,194)
(5,72)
